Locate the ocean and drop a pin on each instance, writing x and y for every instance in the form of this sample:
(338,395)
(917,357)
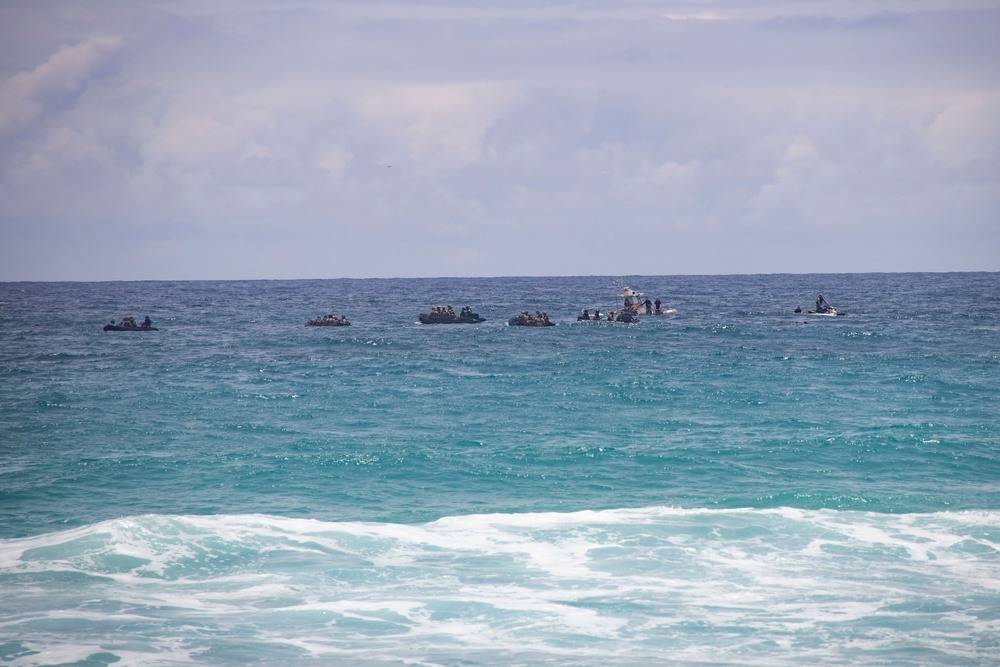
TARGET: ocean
(736,485)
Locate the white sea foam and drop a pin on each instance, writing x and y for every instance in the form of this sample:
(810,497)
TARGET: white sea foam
(742,586)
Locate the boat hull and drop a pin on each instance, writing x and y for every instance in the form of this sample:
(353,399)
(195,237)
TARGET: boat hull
(431,319)
(517,322)
(115,327)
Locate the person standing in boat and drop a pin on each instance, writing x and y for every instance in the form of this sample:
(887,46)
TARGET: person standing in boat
(648,304)
(656,306)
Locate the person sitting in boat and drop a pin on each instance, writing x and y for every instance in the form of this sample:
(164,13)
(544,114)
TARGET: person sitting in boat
(585,316)
(822,306)
(147,323)
(450,311)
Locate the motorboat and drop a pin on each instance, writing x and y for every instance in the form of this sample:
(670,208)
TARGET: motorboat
(598,315)
(329,321)
(129,324)
(118,327)
(539,319)
(638,304)
(446,315)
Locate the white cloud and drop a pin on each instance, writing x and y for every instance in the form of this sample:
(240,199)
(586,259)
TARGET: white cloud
(334,160)
(697,16)
(364,131)
(438,120)
(65,145)
(676,175)
(790,176)
(26,95)
(967,130)
(798,155)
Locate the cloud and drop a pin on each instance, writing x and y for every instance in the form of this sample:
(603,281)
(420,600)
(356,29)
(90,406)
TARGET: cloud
(674,174)
(790,178)
(965,131)
(443,121)
(498,137)
(195,139)
(56,83)
(822,23)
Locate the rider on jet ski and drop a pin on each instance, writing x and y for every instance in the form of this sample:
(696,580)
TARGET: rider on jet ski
(822,306)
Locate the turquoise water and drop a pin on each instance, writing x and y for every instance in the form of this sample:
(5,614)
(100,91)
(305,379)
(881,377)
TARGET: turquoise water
(735,485)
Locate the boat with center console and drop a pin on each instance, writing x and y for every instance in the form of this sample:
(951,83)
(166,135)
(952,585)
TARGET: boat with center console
(637,303)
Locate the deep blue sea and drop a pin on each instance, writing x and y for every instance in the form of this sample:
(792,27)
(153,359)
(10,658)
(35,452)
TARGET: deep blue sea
(736,485)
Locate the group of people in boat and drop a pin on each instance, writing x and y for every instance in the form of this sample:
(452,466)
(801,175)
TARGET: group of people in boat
(539,319)
(448,311)
(446,315)
(128,322)
(632,308)
(646,307)
(329,321)
(623,315)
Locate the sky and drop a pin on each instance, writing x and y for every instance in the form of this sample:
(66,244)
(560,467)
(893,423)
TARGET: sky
(142,139)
